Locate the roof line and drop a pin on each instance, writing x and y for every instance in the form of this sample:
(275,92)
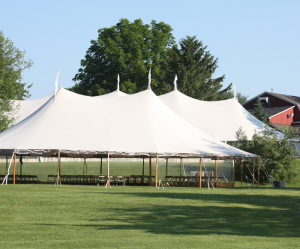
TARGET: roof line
(281,112)
(293,103)
(254,98)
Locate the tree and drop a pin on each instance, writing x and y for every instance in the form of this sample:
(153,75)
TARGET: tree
(195,67)
(128,49)
(241,98)
(12,64)
(259,113)
(276,152)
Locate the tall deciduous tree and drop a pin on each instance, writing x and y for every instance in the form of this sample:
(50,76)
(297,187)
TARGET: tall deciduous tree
(12,64)
(195,66)
(128,49)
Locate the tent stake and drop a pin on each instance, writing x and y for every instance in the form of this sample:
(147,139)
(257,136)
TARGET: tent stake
(156,172)
(15,156)
(242,173)
(200,172)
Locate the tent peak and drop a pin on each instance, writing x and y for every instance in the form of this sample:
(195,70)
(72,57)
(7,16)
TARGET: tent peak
(175,82)
(118,86)
(149,79)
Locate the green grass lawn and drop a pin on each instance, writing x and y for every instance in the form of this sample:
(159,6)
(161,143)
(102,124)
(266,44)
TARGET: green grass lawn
(46,216)
(68,216)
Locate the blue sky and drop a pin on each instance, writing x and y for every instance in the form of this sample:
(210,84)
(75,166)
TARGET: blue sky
(257,42)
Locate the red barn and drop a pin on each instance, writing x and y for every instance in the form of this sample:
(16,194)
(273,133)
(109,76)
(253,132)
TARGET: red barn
(283,110)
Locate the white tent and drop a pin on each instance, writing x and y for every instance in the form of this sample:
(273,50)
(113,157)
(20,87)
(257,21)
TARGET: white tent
(134,125)
(25,108)
(219,119)
(115,94)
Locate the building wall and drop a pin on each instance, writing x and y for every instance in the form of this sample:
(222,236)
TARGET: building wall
(273,102)
(284,117)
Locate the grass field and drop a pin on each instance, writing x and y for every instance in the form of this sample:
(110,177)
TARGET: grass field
(47,216)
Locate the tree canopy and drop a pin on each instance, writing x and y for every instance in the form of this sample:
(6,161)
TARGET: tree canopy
(131,49)
(128,49)
(275,152)
(12,64)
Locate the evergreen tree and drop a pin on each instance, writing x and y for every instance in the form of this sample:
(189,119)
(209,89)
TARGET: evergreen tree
(259,113)
(195,67)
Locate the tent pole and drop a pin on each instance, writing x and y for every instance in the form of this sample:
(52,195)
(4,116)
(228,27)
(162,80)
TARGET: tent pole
(15,156)
(233,171)
(200,172)
(156,172)
(143,169)
(253,173)
(242,172)
(180,166)
(167,166)
(6,165)
(101,167)
(258,172)
(58,170)
(150,181)
(216,170)
(21,165)
(108,183)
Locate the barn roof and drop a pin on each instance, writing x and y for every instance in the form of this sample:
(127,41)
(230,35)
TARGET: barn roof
(272,111)
(288,98)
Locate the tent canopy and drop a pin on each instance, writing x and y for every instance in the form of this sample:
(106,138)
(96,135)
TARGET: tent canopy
(219,119)
(134,125)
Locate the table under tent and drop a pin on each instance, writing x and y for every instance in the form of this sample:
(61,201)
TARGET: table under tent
(140,126)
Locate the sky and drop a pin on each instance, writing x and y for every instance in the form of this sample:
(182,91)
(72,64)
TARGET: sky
(257,42)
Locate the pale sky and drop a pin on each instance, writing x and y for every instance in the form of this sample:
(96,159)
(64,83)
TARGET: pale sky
(257,42)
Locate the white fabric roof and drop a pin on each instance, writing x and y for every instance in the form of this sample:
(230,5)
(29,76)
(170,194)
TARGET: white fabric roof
(219,119)
(114,94)
(134,124)
(27,107)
